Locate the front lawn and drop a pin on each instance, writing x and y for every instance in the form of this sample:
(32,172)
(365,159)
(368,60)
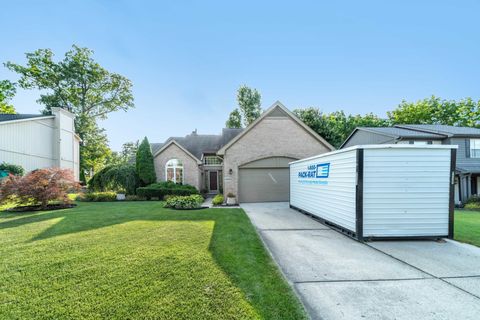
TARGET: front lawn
(467,226)
(137,260)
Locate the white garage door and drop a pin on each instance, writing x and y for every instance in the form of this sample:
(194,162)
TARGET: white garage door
(265,180)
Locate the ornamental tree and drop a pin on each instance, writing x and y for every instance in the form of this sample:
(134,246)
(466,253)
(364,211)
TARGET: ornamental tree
(39,187)
(144,164)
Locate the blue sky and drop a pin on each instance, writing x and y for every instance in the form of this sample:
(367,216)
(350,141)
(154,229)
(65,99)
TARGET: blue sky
(187,58)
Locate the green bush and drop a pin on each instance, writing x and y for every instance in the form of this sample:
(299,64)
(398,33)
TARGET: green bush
(473,199)
(162,189)
(14,169)
(115,178)
(98,196)
(184,202)
(472,206)
(144,164)
(217,200)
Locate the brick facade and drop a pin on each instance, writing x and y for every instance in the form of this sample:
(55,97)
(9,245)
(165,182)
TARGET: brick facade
(191,170)
(271,137)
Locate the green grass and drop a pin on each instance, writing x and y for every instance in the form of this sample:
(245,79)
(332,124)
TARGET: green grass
(467,226)
(137,260)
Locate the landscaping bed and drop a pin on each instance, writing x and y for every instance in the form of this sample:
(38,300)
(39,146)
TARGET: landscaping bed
(138,260)
(55,206)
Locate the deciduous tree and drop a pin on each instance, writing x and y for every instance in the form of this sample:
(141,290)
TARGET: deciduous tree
(7,92)
(234,120)
(79,84)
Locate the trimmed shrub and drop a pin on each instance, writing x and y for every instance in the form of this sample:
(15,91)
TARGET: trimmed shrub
(162,189)
(98,196)
(39,187)
(184,202)
(144,164)
(473,203)
(115,178)
(217,200)
(14,169)
(134,198)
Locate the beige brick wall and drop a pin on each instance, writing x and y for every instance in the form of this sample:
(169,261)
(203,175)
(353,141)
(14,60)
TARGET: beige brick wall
(191,171)
(271,137)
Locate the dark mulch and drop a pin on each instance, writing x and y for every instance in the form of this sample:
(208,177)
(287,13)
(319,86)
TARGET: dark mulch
(57,206)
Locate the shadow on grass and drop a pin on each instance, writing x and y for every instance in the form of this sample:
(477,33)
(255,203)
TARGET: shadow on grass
(234,245)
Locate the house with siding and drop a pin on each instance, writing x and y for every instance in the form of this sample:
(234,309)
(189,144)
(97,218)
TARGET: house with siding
(251,163)
(467,178)
(37,141)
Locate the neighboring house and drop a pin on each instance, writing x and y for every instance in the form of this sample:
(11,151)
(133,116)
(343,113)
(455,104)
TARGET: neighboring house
(40,141)
(467,180)
(251,163)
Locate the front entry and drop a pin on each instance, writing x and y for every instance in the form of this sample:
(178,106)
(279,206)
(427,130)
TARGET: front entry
(213,181)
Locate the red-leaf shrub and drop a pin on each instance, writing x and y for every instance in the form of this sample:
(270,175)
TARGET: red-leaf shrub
(39,187)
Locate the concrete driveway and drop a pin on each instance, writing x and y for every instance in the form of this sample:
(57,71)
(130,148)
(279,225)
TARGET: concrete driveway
(339,278)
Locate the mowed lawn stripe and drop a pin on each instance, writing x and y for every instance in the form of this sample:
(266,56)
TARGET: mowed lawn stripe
(138,260)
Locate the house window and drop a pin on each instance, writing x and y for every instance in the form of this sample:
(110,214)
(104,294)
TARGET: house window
(474,148)
(174,171)
(212,160)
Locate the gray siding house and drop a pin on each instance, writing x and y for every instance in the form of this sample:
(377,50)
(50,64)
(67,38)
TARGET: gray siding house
(467,179)
(251,163)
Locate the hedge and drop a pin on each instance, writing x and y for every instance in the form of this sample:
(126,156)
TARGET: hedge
(162,189)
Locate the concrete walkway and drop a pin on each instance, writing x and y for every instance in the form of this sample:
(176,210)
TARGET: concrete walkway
(339,278)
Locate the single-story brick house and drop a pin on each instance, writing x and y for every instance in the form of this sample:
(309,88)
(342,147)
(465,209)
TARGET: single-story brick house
(251,163)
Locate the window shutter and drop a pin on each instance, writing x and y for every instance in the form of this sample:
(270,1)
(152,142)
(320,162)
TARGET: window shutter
(467,148)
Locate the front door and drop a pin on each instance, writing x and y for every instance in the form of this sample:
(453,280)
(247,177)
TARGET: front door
(213,181)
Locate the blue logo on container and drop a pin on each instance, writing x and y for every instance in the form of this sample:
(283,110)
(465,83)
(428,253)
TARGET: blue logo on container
(315,172)
(323,170)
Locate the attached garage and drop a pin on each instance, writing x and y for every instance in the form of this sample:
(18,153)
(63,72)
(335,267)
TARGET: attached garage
(265,180)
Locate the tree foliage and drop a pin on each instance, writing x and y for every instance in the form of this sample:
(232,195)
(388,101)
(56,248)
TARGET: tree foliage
(234,119)
(144,164)
(116,178)
(434,110)
(249,103)
(336,126)
(7,92)
(79,84)
(39,187)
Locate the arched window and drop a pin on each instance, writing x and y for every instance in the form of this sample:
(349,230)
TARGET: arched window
(174,171)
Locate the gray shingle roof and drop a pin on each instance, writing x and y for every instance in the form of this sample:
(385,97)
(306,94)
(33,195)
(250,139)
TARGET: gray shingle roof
(11,117)
(443,129)
(403,133)
(198,144)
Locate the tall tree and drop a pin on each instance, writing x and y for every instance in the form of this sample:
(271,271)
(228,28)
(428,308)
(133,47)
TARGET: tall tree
(144,163)
(82,86)
(249,103)
(336,126)
(234,119)
(434,110)
(7,92)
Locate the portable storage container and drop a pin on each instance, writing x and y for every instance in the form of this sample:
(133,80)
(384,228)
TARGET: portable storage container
(379,191)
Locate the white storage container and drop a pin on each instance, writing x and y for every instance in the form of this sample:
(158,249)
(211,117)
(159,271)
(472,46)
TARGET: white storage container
(379,191)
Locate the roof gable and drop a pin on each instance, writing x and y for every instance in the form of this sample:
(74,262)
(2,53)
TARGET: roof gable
(168,144)
(276,110)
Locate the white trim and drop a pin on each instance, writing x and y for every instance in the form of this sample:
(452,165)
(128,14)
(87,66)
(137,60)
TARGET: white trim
(178,145)
(27,119)
(277,104)
(175,171)
(383,146)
